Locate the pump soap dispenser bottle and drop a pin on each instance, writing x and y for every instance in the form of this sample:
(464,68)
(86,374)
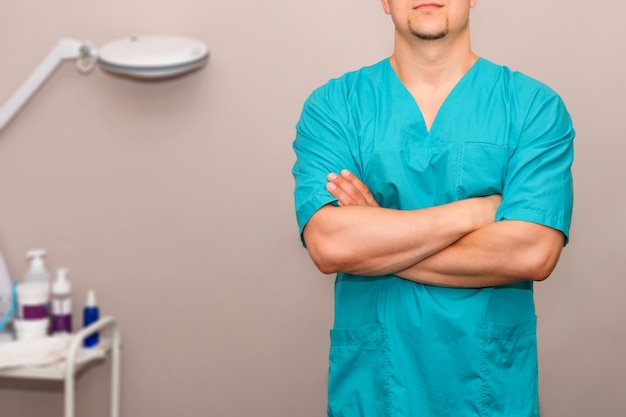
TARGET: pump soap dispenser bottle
(37,271)
(33,294)
(61,303)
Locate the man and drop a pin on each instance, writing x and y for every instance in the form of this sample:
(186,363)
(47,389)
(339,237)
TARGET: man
(437,186)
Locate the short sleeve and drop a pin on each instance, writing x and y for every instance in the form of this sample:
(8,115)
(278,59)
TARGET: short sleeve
(538,183)
(322,145)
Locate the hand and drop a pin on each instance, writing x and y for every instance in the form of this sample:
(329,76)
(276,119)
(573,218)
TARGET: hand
(349,190)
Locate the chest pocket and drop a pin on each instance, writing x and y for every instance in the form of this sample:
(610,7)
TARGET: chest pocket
(417,175)
(480,169)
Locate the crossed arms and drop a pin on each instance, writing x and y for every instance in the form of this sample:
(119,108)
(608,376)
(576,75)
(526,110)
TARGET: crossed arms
(457,244)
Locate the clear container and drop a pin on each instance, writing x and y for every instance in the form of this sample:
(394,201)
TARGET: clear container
(31,329)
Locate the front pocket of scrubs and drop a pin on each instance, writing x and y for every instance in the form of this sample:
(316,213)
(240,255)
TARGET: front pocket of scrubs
(358,378)
(509,370)
(481,169)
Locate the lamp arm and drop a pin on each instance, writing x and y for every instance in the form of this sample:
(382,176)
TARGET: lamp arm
(64,49)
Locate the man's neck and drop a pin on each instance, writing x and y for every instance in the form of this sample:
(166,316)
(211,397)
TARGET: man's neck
(430,64)
(430,70)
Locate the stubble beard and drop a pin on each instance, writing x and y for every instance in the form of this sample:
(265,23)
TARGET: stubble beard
(432,36)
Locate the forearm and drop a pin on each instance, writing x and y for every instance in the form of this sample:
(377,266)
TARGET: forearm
(376,241)
(496,254)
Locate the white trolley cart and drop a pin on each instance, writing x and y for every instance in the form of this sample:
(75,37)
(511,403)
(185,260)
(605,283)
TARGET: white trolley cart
(67,370)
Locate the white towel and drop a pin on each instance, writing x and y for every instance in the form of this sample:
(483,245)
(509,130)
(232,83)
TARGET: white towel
(34,352)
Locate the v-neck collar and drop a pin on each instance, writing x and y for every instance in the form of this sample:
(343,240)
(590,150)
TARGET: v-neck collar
(406,94)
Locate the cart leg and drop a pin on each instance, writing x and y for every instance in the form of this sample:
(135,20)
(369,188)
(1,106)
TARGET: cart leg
(69,394)
(115,372)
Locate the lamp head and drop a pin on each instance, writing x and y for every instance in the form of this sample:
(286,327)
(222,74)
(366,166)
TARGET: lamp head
(153,56)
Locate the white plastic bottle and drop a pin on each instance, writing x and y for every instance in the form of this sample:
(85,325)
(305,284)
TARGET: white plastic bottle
(33,298)
(61,312)
(37,270)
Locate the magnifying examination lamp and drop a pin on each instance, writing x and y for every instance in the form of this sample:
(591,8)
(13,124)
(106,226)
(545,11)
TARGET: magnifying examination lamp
(150,57)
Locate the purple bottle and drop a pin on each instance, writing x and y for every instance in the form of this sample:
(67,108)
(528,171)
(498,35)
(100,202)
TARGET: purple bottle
(61,317)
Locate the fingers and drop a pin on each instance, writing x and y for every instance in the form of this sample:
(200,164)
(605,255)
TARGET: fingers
(349,190)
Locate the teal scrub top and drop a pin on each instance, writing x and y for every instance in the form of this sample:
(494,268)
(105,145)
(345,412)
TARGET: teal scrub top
(400,348)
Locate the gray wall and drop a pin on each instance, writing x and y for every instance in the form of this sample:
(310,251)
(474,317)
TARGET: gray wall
(173,200)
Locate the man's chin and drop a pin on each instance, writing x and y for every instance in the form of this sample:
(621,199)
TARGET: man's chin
(430,36)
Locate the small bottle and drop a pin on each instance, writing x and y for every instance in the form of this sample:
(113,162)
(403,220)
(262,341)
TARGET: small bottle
(37,270)
(6,302)
(61,303)
(91,314)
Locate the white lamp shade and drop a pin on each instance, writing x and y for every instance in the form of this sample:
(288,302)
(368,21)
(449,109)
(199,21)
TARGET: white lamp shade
(153,56)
